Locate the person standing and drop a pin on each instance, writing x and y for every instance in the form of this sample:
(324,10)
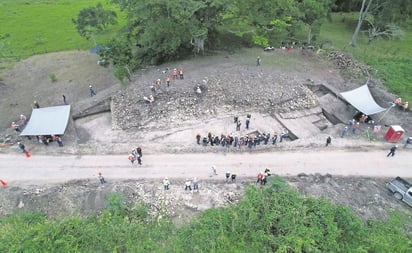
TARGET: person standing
(344,131)
(281,136)
(195,184)
(233,177)
(58,139)
(64,99)
(36,105)
(238,124)
(139,151)
(101,178)
(166,184)
(174,74)
(168,80)
(392,150)
(23,119)
(139,159)
(214,173)
(407,142)
(355,127)
(188,185)
(198,139)
(351,123)
(92,93)
(405,106)
(132,157)
(259,178)
(22,147)
(328,141)
(181,73)
(248,121)
(274,138)
(258,60)
(264,179)
(15,126)
(227,176)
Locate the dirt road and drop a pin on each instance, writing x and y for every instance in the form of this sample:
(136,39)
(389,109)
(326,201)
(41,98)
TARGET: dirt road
(16,169)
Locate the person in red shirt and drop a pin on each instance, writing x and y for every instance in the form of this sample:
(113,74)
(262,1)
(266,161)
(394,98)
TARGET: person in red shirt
(260,178)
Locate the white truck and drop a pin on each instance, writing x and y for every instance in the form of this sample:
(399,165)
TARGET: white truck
(401,189)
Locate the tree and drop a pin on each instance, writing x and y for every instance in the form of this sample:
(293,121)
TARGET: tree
(389,31)
(382,16)
(362,16)
(163,29)
(313,13)
(265,20)
(123,56)
(94,20)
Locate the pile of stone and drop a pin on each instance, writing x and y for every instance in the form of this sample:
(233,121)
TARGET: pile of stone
(233,89)
(343,60)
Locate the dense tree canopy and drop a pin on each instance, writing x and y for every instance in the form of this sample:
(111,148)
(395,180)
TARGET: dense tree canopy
(162,30)
(93,20)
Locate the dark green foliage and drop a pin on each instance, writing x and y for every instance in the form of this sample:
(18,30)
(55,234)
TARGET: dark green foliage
(278,219)
(275,218)
(94,20)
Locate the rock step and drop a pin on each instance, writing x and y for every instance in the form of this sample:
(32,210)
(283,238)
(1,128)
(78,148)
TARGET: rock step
(301,113)
(304,126)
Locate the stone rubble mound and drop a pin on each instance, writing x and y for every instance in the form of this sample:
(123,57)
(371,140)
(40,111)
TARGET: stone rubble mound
(224,91)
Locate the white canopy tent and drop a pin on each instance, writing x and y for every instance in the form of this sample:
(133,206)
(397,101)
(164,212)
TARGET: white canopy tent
(48,121)
(361,98)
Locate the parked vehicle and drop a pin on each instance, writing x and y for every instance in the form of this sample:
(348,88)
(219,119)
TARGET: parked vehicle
(401,189)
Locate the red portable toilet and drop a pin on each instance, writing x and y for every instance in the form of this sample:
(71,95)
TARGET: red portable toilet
(394,133)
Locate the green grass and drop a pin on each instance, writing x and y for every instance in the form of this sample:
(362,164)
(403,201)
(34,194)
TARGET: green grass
(31,27)
(390,59)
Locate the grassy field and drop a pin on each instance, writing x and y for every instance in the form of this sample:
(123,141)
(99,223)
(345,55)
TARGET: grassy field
(31,27)
(390,59)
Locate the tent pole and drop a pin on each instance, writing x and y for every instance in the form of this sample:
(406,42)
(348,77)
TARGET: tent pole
(386,112)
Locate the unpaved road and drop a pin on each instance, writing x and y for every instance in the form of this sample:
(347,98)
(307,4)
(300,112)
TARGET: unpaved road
(17,169)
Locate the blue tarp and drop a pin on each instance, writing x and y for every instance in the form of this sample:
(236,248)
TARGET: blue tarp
(95,49)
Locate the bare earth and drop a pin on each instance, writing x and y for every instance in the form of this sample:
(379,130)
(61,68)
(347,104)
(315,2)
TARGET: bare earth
(61,181)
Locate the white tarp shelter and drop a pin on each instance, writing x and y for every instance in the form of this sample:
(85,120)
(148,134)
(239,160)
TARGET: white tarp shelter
(361,98)
(48,121)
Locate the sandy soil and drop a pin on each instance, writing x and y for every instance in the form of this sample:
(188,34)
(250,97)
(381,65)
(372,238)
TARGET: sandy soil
(62,181)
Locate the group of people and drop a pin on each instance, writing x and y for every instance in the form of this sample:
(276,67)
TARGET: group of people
(188,184)
(136,155)
(43,139)
(262,177)
(15,126)
(354,126)
(154,88)
(233,140)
